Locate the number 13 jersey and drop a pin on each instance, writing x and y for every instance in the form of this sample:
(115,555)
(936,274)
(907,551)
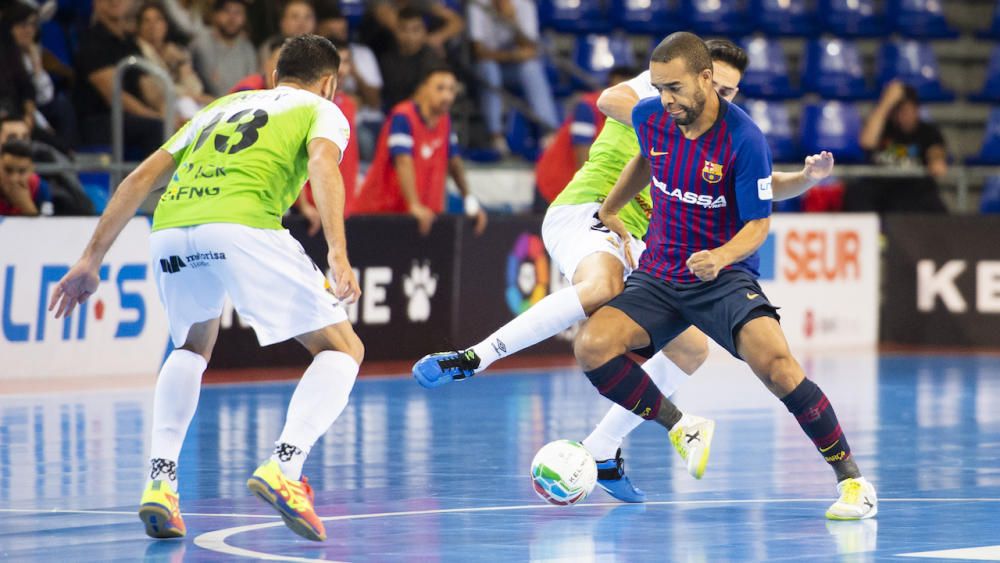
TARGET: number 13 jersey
(243,158)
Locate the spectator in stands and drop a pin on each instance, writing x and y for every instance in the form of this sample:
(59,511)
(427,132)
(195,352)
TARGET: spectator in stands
(222,53)
(504,37)
(102,46)
(350,164)
(67,194)
(21,191)
(298,17)
(188,16)
(54,118)
(382,23)
(896,137)
(417,151)
(569,150)
(171,57)
(407,61)
(17,89)
(365,79)
(262,79)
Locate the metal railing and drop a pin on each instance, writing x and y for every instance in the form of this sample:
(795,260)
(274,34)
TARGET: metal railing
(118,166)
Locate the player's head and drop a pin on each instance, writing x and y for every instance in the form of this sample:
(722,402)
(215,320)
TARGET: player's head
(311,62)
(412,33)
(906,113)
(729,62)
(437,90)
(681,70)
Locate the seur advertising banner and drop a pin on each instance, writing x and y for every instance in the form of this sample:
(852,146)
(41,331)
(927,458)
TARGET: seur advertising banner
(942,281)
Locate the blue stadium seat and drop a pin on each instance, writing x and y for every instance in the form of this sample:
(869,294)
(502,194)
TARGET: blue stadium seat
(832,126)
(919,18)
(598,53)
(784,17)
(353,10)
(574,16)
(774,122)
(989,201)
(990,153)
(715,17)
(852,18)
(652,17)
(832,68)
(991,88)
(914,63)
(767,74)
(992,32)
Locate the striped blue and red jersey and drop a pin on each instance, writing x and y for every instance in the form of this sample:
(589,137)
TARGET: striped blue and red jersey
(704,190)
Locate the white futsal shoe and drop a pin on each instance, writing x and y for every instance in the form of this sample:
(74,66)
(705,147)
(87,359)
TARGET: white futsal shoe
(857,501)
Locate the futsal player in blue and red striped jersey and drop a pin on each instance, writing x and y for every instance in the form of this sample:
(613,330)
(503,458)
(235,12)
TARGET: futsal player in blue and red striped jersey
(710,170)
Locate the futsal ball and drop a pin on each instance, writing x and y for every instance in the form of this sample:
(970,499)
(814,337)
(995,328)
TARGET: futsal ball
(563,472)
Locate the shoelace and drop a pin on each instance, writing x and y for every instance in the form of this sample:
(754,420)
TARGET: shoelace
(459,363)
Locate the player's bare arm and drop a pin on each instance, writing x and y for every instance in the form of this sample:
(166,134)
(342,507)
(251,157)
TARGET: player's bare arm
(328,191)
(456,169)
(617,103)
(787,185)
(634,177)
(706,264)
(81,281)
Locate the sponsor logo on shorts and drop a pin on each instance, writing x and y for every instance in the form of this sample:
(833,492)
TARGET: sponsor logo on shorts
(172,265)
(752,296)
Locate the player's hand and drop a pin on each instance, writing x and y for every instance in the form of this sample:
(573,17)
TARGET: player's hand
(706,264)
(345,285)
(818,166)
(75,287)
(615,224)
(424,216)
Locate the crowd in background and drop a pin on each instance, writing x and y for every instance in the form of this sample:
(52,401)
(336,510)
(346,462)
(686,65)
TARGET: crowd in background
(52,108)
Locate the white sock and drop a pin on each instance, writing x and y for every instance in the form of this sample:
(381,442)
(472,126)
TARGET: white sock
(174,403)
(318,400)
(607,437)
(548,317)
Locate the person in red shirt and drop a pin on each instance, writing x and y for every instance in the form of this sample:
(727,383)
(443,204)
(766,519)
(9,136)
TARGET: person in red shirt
(415,153)
(569,150)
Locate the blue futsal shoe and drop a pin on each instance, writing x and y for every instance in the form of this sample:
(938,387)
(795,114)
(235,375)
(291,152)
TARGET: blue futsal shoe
(435,370)
(611,477)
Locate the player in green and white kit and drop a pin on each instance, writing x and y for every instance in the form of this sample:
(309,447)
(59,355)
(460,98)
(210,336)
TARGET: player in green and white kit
(233,171)
(596,261)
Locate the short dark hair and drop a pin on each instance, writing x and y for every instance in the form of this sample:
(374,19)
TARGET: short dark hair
(17,12)
(410,13)
(219,5)
(16,147)
(430,69)
(307,58)
(725,51)
(686,46)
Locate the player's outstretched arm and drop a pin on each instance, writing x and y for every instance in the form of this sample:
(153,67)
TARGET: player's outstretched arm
(706,264)
(81,281)
(617,102)
(787,185)
(328,191)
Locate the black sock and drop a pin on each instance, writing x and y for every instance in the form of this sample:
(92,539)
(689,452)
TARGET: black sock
(815,415)
(624,382)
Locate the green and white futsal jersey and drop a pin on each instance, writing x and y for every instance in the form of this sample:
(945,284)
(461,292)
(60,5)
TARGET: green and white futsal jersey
(613,148)
(243,158)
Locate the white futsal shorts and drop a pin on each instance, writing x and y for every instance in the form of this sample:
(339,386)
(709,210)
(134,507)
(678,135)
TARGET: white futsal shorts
(272,283)
(573,232)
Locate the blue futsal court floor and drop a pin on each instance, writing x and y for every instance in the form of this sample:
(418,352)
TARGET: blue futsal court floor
(408,474)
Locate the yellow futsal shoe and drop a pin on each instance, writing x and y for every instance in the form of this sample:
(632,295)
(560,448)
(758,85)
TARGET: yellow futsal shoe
(857,501)
(160,511)
(292,499)
(693,441)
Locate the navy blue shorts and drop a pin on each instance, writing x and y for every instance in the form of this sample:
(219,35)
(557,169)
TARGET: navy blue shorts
(719,308)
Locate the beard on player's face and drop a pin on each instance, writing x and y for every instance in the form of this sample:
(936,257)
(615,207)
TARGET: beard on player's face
(690,109)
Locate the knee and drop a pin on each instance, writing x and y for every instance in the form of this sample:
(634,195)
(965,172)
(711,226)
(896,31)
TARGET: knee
(594,348)
(355,349)
(783,374)
(596,292)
